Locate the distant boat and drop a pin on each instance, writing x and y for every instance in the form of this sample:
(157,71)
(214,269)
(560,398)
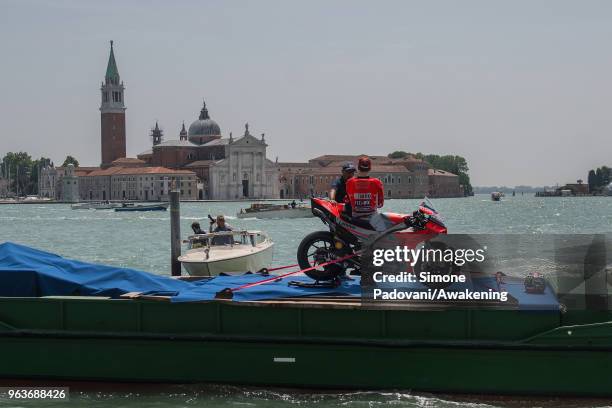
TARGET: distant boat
(143,207)
(96,205)
(496,196)
(265,210)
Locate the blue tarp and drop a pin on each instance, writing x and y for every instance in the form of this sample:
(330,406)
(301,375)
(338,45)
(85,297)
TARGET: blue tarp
(28,272)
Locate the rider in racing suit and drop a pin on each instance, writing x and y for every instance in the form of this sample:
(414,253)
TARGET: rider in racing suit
(365,195)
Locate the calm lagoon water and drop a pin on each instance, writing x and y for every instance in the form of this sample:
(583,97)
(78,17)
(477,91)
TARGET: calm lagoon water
(141,240)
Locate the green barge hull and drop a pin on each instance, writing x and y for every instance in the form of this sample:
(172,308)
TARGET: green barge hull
(307,344)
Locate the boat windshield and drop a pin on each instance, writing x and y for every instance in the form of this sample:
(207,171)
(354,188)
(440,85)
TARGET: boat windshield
(226,238)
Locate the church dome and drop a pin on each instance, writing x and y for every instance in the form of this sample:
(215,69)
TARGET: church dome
(204,129)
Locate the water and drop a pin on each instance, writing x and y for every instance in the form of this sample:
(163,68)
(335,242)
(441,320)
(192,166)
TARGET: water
(141,240)
(224,396)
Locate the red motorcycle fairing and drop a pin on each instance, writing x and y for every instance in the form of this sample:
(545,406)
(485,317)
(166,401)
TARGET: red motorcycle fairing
(331,207)
(333,211)
(347,236)
(332,214)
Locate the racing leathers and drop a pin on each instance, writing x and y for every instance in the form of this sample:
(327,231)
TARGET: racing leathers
(365,195)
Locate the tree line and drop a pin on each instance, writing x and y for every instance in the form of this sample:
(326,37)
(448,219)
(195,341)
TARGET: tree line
(451,163)
(599,178)
(22,171)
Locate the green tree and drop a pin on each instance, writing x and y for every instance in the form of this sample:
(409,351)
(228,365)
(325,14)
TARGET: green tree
(606,175)
(592,180)
(451,163)
(398,154)
(22,172)
(599,178)
(18,168)
(70,160)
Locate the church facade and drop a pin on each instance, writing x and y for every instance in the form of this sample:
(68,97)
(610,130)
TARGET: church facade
(227,168)
(201,161)
(244,172)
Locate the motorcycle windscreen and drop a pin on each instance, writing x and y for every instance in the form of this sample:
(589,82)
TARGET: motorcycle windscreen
(427,207)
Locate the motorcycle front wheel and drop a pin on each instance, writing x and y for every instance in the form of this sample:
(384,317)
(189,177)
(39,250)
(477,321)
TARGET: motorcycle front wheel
(317,248)
(439,267)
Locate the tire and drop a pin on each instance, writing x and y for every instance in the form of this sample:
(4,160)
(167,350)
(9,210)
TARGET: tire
(306,248)
(446,268)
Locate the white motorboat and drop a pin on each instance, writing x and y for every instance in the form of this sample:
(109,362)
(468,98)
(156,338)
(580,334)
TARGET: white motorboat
(95,205)
(229,252)
(266,210)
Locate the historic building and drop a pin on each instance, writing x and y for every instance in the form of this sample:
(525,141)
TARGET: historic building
(118,177)
(51,182)
(112,114)
(443,184)
(227,168)
(201,161)
(402,178)
(244,171)
(206,165)
(70,185)
(137,183)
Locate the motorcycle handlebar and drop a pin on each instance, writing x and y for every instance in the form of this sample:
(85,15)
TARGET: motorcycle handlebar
(417,220)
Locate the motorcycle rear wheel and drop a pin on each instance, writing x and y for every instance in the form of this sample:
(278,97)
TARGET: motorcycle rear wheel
(317,248)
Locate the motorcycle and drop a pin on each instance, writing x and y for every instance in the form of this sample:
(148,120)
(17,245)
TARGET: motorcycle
(348,237)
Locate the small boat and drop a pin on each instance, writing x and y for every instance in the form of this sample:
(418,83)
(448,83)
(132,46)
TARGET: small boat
(143,207)
(266,210)
(227,252)
(496,196)
(95,205)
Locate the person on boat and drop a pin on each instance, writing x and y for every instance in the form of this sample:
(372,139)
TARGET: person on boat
(222,226)
(365,195)
(293,204)
(195,227)
(337,193)
(197,243)
(338,190)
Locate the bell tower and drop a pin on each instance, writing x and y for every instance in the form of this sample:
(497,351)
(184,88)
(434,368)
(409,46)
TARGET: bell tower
(112,113)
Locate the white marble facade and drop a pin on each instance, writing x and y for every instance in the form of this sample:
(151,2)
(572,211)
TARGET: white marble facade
(244,172)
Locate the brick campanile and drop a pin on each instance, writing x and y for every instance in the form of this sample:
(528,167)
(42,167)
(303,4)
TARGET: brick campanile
(112,114)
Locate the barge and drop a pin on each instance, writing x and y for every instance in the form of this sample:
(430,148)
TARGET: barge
(324,340)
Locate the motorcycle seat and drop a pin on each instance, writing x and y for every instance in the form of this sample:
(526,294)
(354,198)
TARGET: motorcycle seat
(357,221)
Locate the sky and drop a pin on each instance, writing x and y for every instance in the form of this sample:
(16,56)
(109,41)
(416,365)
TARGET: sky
(521,89)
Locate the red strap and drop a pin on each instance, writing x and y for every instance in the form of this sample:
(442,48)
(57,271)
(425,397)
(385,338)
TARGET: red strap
(274,278)
(281,267)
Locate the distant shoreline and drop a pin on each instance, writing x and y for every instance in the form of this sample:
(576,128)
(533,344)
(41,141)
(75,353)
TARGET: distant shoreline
(287,200)
(136,201)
